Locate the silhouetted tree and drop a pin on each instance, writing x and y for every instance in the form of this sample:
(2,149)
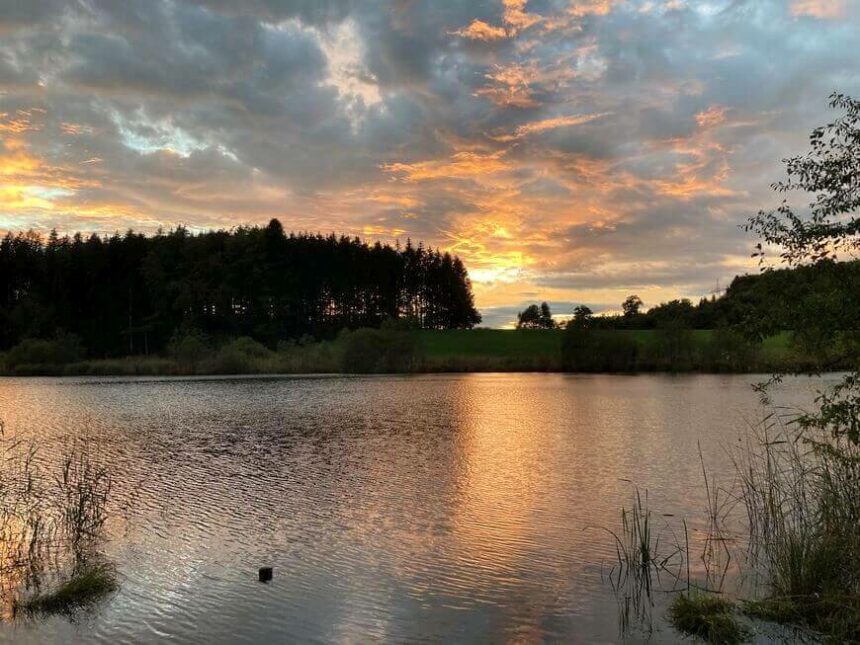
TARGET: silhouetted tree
(546,321)
(130,293)
(631,306)
(582,316)
(529,318)
(536,317)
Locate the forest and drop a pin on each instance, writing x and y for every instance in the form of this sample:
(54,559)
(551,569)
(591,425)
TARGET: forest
(131,294)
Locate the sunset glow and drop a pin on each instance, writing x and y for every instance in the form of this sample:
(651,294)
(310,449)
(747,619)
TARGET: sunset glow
(568,151)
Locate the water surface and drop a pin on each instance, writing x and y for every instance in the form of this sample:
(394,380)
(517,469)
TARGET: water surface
(437,508)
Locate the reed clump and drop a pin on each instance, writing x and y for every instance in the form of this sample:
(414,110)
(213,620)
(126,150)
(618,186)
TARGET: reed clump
(796,504)
(85,587)
(51,521)
(801,491)
(706,616)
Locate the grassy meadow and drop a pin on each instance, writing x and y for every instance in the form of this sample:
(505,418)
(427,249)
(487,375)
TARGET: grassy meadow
(463,350)
(541,350)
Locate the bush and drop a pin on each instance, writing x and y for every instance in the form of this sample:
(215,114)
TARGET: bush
(61,350)
(307,356)
(596,350)
(188,349)
(367,351)
(671,348)
(248,347)
(86,587)
(240,356)
(729,351)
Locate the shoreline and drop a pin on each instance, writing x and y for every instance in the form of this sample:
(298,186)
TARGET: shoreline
(368,351)
(96,369)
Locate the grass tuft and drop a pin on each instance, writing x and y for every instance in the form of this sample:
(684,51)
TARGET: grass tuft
(84,588)
(708,617)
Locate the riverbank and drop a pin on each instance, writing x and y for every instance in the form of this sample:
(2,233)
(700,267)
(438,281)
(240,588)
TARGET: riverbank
(431,351)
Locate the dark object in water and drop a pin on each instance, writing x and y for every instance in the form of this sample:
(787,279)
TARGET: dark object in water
(265,574)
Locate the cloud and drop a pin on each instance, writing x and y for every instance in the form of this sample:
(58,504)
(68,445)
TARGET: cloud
(536,127)
(480,30)
(460,165)
(514,16)
(568,151)
(822,9)
(712,116)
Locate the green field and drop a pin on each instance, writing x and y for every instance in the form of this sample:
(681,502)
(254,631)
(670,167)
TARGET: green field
(453,343)
(538,342)
(540,350)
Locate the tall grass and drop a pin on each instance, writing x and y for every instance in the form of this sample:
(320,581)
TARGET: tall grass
(796,507)
(50,520)
(802,499)
(646,554)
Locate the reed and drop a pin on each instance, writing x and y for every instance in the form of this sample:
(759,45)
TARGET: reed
(802,499)
(50,522)
(797,505)
(84,587)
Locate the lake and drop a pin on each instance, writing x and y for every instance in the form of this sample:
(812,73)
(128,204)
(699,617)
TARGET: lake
(397,508)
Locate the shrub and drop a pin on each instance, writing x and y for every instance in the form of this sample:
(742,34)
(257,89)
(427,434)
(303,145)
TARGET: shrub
(595,350)
(188,349)
(86,586)
(671,347)
(60,350)
(730,351)
(366,351)
(240,356)
(248,347)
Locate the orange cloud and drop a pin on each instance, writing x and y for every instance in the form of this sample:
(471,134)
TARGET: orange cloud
(821,9)
(713,116)
(74,129)
(460,165)
(516,17)
(704,173)
(580,8)
(21,122)
(29,184)
(549,124)
(510,86)
(480,30)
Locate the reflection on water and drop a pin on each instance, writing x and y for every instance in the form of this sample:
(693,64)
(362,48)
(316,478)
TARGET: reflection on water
(459,507)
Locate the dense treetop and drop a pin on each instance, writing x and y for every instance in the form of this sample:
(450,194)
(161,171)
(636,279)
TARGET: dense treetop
(131,293)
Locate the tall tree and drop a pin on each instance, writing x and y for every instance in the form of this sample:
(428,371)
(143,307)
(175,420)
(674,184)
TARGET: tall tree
(529,318)
(546,320)
(130,293)
(830,173)
(631,306)
(582,316)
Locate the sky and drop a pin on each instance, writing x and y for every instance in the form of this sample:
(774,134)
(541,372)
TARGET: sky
(573,151)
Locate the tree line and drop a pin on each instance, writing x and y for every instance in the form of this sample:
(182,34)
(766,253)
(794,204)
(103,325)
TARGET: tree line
(759,305)
(130,294)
